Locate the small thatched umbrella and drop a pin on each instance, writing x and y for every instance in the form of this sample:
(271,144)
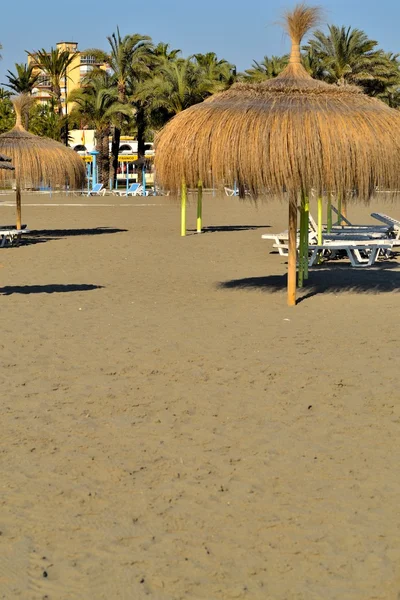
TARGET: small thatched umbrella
(285,137)
(38,160)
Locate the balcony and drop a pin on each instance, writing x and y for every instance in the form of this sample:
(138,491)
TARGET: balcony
(43,82)
(88,60)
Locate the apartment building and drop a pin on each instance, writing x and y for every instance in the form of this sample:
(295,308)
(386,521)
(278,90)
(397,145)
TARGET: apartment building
(80,66)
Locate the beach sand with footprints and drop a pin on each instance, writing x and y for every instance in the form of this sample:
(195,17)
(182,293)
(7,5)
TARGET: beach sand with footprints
(171,430)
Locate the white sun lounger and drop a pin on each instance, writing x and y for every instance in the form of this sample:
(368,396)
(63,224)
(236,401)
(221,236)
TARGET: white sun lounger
(389,221)
(354,250)
(9,236)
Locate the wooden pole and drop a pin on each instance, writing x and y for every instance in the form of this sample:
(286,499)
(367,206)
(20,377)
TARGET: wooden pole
(18,203)
(183,207)
(291,279)
(199,205)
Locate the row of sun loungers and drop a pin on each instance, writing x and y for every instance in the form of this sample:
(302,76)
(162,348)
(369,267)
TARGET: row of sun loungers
(362,244)
(135,189)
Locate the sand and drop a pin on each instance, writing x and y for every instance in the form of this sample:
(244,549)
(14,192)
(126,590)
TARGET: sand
(171,430)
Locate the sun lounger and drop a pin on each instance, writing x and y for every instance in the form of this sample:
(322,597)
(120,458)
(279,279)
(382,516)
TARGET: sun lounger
(135,189)
(97,190)
(9,236)
(281,240)
(389,221)
(361,253)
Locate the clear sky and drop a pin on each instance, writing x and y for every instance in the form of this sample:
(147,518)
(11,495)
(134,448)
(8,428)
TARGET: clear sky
(237,30)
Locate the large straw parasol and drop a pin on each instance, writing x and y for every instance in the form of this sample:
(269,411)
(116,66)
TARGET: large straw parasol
(285,137)
(38,160)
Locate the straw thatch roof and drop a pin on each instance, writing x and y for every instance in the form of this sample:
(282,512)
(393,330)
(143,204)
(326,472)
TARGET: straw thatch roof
(38,160)
(288,134)
(5,162)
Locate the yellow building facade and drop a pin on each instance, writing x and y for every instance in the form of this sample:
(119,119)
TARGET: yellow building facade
(80,66)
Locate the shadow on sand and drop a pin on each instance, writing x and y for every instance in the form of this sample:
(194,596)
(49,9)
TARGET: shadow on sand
(48,289)
(222,228)
(332,279)
(39,236)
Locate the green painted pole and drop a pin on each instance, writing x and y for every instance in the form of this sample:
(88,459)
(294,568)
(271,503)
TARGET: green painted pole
(199,206)
(183,208)
(320,220)
(339,209)
(329,215)
(300,279)
(306,230)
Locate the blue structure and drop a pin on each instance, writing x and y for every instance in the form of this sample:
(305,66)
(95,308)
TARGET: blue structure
(94,154)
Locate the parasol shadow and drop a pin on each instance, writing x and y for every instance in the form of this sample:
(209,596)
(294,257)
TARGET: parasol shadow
(40,236)
(226,228)
(53,288)
(335,279)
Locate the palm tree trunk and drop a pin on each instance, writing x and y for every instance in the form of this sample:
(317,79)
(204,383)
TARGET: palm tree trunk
(104,160)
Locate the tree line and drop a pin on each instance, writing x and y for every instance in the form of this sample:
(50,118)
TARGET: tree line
(146,84)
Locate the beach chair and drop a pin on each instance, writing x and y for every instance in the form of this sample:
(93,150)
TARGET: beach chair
(9,235)
(236,192)
(135,189)
(361,252)
(97,190)
(389,221)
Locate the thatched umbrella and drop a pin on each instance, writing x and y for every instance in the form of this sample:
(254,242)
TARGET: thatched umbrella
(38,160)
(285,137)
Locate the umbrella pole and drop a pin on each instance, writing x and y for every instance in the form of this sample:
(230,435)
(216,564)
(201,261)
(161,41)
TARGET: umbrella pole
(306,230)
(329,215)
(319,226)
(301,243)
(18,204)
(183,207)
(199,206)
(339,209)
(344,211)
(291,279)
(320,221)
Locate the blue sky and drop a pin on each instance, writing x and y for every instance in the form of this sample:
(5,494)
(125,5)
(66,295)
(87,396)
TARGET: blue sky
(236,30)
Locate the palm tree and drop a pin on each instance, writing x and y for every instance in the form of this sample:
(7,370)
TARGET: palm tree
(4,93)
(348,56)
(266,69)
(96,105)
(220,73)
(176,86)
(162,51)
(55,64)
(130,59)
(7,114)
(24,80)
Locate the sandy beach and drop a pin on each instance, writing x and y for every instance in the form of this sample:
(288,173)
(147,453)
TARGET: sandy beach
(172,430)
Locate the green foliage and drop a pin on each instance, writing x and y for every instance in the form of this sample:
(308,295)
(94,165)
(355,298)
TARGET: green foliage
(266,69)
(44,121)
(55,64)
(24,80)
(7,115)
(347,56)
